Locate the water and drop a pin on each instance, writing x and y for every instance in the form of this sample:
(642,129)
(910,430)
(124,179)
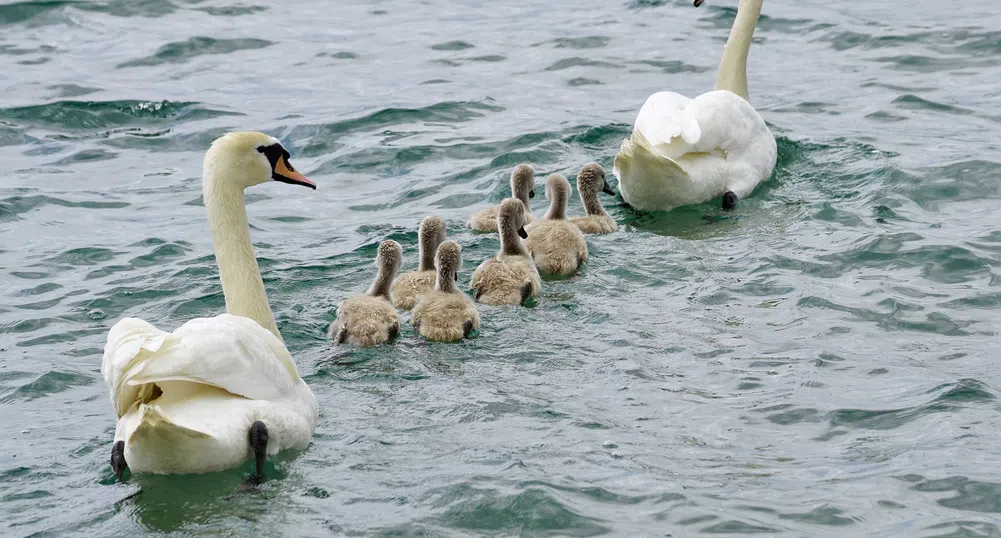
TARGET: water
(819,363)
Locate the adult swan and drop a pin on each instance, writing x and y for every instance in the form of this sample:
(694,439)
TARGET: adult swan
(687,151)
(216,390)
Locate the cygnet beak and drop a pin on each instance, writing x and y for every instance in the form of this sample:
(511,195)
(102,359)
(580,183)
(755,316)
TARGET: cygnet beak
(607,190)
(531,193)
(698,3)
(522,233)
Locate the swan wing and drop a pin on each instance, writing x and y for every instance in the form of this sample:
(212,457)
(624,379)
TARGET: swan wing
(232,353)
(668,123)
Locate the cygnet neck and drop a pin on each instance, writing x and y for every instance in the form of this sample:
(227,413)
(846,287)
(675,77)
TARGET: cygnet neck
(511,243)
(383,281)
(445,279)
(430,235)
(559,198)
(592,205)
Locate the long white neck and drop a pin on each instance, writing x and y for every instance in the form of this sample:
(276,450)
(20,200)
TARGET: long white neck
(234,253)
(732,72)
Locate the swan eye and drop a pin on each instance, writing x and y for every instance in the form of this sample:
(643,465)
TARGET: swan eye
(261,149)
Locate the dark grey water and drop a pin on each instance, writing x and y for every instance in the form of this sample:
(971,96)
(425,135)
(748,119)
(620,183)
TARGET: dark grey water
(821,363)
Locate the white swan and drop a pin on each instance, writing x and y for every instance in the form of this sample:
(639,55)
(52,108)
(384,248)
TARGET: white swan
(219,390)
(687,151)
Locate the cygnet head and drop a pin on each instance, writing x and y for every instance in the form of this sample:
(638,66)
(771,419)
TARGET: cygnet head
(512,215)
(591,179)
(447,261)
(246,159)
(558,193)
(389,257)
(523,183)
(429,236)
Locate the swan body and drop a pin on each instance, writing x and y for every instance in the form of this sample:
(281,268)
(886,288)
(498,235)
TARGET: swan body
(215,391)
(688,151)
(408,287)
(557,246)
(511,276)
(370,319)
(187,399)
(445,314)
(522,188)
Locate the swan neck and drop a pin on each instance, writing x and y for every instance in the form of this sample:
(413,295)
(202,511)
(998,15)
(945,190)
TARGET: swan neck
(732,72)
(239,273)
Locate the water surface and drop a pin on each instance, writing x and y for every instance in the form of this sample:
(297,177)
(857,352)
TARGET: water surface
(821,362)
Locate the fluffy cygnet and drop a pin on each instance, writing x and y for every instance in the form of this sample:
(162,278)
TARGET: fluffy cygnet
(522,188)
(370,319)
(408,287)
(557,246)
(445,314)
(591,181)
(511,276)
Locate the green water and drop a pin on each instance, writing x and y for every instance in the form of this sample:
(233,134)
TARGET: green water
(818,363)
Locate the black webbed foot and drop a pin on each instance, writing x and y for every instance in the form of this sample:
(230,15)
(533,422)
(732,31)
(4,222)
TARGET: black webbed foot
(729,200)
(118,463)
(259,444)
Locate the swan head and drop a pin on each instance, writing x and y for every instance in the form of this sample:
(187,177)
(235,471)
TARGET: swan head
(389,257)
(591,179)
(448,259)
(523,182)
(246,159)
(512,215)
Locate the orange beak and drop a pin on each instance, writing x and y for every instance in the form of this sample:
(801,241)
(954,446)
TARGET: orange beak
(286,174)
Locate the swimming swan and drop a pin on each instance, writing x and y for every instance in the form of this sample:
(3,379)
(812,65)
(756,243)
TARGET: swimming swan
(557,246)
(446,314)
(408,287)
(370,319)
(591,181)
(219,390)
(687,151)
(522,188)
(511,276)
